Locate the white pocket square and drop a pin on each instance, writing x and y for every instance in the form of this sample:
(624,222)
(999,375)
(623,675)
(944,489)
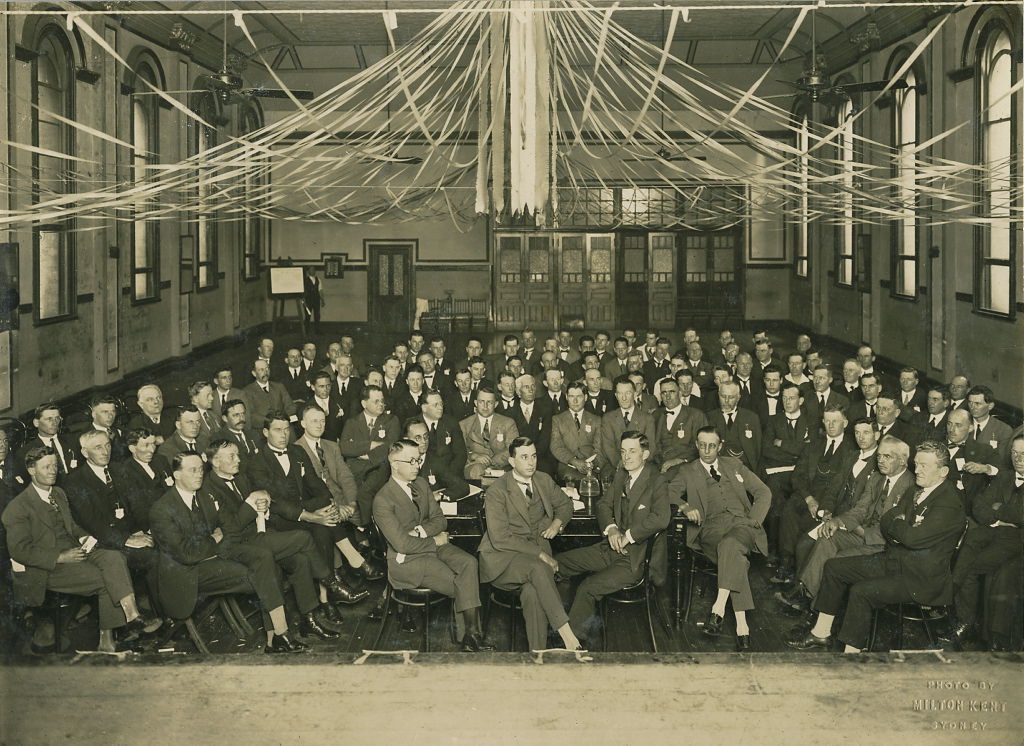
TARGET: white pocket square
(641,506)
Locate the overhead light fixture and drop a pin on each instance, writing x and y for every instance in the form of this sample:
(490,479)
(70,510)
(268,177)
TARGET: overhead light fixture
(181,38)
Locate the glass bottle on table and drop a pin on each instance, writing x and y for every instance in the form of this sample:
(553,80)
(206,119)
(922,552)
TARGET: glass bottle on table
(590,487)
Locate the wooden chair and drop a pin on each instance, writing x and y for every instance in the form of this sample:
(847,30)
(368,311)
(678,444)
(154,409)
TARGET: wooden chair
(414,598)
(641,591)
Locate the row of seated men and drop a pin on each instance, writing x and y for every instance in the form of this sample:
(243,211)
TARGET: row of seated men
(811,450)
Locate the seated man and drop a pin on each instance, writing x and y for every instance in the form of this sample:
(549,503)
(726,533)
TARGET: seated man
(525,509)
(419,555)
(263,395)
(739,429)
(144,477)
(151,403)
(676,429)
(854,530)
(446,446)
(575,436)
(627,417)
(200,395)
(786,435)
(335,410)
(49,551)
(236,428)
(533,421)
(729,527)
(921,534)
(246,518)
(366,437)
(103,410)
(47,420)
(632,509)
(196,557)
(185,438)
(994,542)
(487,436)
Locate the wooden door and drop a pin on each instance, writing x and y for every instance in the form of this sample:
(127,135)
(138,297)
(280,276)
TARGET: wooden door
(572,285)
(391,295)
(710,269)
(509,306)
(539,296)
(631,281)
(600,280)
(662,287)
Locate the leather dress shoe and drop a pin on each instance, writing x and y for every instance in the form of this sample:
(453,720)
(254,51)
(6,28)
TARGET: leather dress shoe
(339,593)
(408,621)
(369,571)
(960,633)
(793,603)
(742,643)
(808,642)
(313,625)
(282,644)
(472,643)
(331,614)
(713,625)
(141,625)
(782,576)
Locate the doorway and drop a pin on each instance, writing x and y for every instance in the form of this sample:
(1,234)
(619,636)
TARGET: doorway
(391,294)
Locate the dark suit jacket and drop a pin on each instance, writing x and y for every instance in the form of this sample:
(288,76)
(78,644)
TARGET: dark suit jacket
(647,509)
(300,489)
(934,432)
(233,393)
(298,387)
(760,406)
(441,383)
(531,360)
(703,374)
(744,437)
(612,368)
(654,372)
(447,446)
(1003,493)
(794,441)
(538,429)
(405,406)
(916,412)
(71,456)
(258,402)
(604,402)
(396,515)
(693,483)
(681,440)
(32,543)
(254,442)
(612,428)
(813,474)
(456,407)
(94,507)
(843,493)
(756,385)
(237,516)
(548,406)
(175,445)
(394,394)
(919,551)
(509,529)
(166,427)
(813,409)
(138,488)
(334,472)
(356,440)
(971,485)
(867,512)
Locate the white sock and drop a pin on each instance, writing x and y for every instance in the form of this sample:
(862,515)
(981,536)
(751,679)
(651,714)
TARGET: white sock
(741,623)
(850,649)
(351,554)
(823,626)
(719,607)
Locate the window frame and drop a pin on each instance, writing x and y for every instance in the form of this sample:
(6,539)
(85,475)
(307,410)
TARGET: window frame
(254,227)
(845,233)
(150,107)
(801,229)
(205,277)
(899,256)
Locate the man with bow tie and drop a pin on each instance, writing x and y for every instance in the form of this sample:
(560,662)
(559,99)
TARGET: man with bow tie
(676,428)
(47,421)
(993,543)
(728,526)
(525,509)
(767,402)
(633,508)
(921,535)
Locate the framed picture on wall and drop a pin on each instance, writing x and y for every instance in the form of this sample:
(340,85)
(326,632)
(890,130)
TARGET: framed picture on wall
(334,265)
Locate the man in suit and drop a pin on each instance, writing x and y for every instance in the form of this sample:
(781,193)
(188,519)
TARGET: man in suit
(143,477)
(575,436)
(818,466)
(887,415)
(345,385)
(348,347)
(633,508)
(525,509)
(236,428)
(265,351)
(198,558)
(506,390)
(564,350)
(675,428)
(393,386)
(419,553)
(99,506)
(433,379)
(870,389)
(151,415)
(992,543)
(200,395)
(308,360)
(728,525)
(366,437)
(186,435)
(294,377)
(937,407)
(850,386)
(443,364)
(763,356)
(913,399)
(49,551)
(224,390)
(687,397)
(796,362)
(751,385)
(46,419)
(822,395)
(959,387)
(263,395)
(720,373)
(740,429)
(628,417)
(323,395)
(408,402)
(459,402)
(446,446)
(245,513)
(614,365)
(474,349)
(487,436)
(768,401)
(327,461)
(856,530)
(656,367)
(971,462)
(922,532)
(786,436)
(498,362)
(644,401)
(701,368)
(599,400)
(529,353)
(988,429)
(533,422)
(103,410)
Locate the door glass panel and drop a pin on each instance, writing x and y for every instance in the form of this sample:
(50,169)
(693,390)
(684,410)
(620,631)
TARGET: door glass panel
(600,265)
(572,265)
(383,266)
(662,269)
(397,275)
(510,264)
(696,264)
(634,265)
(539,266)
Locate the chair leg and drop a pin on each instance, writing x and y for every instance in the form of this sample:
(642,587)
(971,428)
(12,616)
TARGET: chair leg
(486,612)
(383,618)
(689,592)
(603,605)
(514,610)
(648,592)
(874,630)
(243,621)
(426,627)
(928,630)
(230,618)
(899,627)
(197,639)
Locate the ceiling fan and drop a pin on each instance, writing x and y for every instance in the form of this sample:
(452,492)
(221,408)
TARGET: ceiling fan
(816,85)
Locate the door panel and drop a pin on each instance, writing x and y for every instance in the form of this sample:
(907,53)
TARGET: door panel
(662,288)
(540,285)
(631,280)
(391,295)
(600,284)
(710,291)
(572,287)
(509,288)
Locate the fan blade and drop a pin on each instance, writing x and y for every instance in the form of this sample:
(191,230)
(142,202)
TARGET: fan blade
(154,93)
(875,85)
(278,93)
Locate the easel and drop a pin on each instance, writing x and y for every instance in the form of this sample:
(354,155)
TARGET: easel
(280,302)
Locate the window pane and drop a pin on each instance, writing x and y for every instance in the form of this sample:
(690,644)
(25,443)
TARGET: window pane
(996,288)
(53,275)
(600,261)
(510,261)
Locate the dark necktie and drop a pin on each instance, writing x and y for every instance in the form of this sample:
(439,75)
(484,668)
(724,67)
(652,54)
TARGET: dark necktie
(625,420)
(106,477)
(223,400)
(886,487)
(197,512)
(831,450)
(728,420)
(871,411)
(319,453)
(715,475)
(295,373)
(487,431)
(527,490)
(821,401)
(792,424)
(234,488)
(190,447)
(245,442)
(371,423)
(576,416)
(745,385)
(433,428)
(977,432)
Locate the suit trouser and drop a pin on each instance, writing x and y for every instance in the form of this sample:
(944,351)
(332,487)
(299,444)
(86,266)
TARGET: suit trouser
(728,546)
(781,485)
(451,571)
(219,575)
(263,573)
(103,573)
(872,585)
(985,550)
(325,538)
(297,555)
(796,520)
(538,594)
(812,555)
(608,571)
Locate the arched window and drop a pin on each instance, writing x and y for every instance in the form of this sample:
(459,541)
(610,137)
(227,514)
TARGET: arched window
(845,234)
(904,227)
(53,95)
(204,140)
(145,153)
(253,231)
(997,123)
(803,142)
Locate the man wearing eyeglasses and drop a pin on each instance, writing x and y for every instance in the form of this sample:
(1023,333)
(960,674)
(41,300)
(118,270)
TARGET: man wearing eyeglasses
(419,554)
